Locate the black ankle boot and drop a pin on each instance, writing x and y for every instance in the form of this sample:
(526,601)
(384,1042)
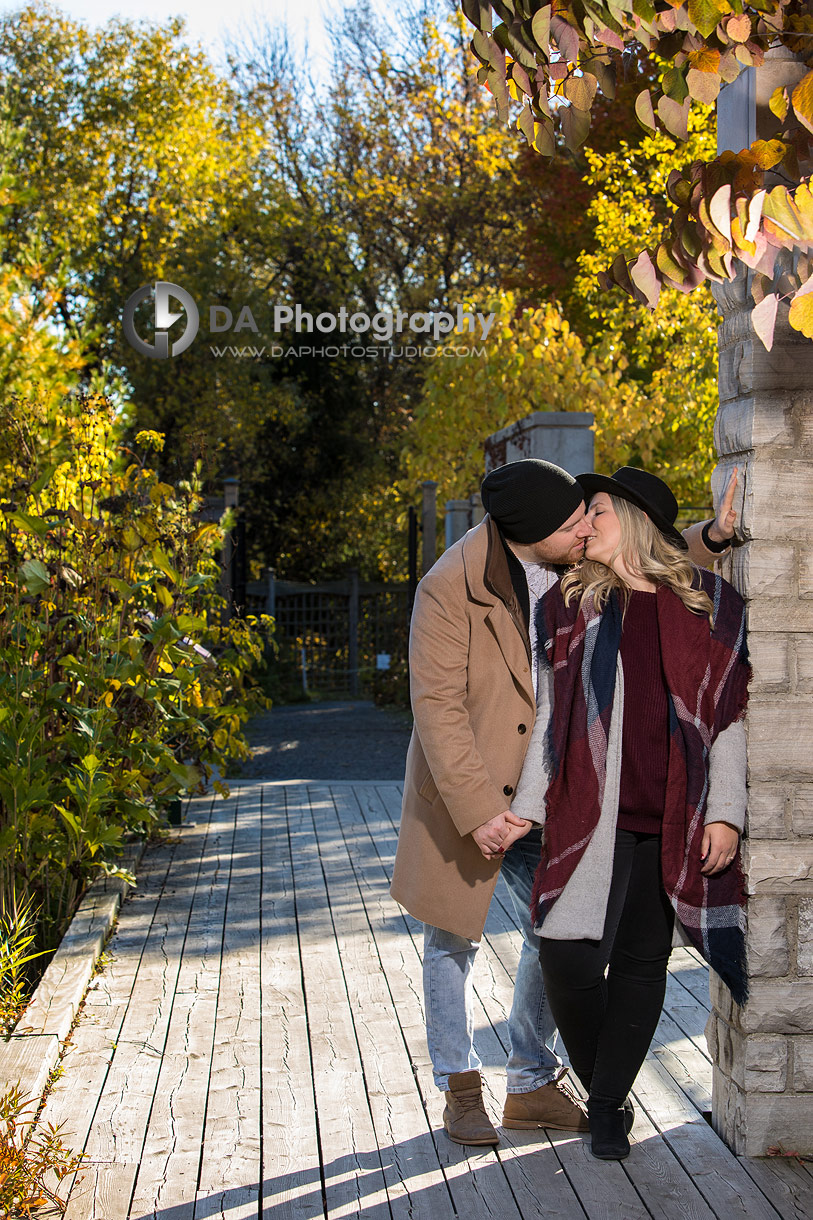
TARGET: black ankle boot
(629,1115)
(608,1129)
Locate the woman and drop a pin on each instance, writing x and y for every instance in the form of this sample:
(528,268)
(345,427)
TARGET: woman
(643,765)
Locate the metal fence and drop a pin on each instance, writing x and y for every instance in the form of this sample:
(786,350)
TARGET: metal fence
(337,634)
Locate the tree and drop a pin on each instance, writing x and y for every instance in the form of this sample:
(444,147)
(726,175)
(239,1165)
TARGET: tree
(553,63)
(533,361)
(671,351)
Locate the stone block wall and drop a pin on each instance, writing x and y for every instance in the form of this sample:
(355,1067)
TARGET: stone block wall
(763,1079)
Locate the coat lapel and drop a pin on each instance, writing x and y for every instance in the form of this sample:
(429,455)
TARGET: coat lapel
(489,583)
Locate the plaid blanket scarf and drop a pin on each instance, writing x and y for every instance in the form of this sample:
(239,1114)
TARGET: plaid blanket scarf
(706,673)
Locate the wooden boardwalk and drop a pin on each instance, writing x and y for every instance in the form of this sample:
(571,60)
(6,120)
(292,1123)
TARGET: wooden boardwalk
(254,1047)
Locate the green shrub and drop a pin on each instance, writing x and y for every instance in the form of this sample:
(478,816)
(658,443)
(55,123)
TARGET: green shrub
(120,684)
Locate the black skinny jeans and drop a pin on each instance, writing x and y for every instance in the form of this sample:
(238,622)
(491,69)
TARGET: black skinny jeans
(608,1023)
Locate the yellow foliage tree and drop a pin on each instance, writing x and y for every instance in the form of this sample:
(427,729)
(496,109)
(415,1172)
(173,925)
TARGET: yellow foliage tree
(532,360)
(671,351)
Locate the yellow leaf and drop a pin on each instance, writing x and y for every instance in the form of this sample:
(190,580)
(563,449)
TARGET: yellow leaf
(768,153)
(802,99)
(801,310)
(779,102)
(706,59)
(163,594)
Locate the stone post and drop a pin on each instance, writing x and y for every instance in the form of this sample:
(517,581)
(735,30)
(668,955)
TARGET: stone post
(563,437)
(763,1075)
(457,520)
(429,523)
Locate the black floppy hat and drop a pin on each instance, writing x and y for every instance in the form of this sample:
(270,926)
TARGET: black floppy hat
(646,491)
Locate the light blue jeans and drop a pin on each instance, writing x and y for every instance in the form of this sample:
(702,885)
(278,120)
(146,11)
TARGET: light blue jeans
(449,999)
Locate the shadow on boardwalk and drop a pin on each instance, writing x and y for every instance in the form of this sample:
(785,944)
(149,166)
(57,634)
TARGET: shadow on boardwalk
(328,741)
(255,1047)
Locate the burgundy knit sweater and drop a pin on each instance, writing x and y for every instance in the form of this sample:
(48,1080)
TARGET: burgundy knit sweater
(645,738)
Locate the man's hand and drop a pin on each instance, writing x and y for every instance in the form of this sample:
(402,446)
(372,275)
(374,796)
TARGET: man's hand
(516,832)
(722,527)
(719,847)
(496,836)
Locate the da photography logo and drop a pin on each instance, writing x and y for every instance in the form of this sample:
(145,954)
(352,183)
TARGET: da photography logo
(164,318)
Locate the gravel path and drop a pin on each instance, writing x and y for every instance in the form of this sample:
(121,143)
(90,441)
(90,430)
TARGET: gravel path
(349,740)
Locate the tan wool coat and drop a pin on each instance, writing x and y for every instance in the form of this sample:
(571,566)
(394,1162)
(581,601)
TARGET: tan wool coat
(474,707)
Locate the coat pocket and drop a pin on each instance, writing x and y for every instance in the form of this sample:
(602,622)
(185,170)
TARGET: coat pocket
(428,789)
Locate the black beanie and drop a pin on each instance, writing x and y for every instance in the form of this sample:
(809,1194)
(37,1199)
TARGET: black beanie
(530,499)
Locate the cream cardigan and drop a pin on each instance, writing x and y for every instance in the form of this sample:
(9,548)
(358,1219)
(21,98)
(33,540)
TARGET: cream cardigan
(579,912)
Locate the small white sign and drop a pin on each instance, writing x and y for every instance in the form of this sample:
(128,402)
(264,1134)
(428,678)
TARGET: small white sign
(382,660)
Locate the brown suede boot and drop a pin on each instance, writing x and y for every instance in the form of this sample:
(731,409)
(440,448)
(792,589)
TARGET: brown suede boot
(465,1117)
(551,1105)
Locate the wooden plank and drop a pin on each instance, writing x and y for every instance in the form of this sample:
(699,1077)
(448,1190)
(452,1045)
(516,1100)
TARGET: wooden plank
(664,1186)
(717,1173)
(412,1169)
(690,1070)
(353,1177)
(229,1184)
(291,1168)
(168,1174)
(27,1061)
(658,1177)
(525,1157)
(103,1193)
(604,1192)
(75,1095)
(689,969)
(785,1181)
(120,1122)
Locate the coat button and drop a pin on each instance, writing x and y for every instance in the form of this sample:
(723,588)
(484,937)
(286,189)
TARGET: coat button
(508,789)
(521,728)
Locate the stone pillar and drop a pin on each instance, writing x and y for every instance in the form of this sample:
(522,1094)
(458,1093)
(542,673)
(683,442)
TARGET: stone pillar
(763,1075)
(457,520)
(429,523)
(563,437)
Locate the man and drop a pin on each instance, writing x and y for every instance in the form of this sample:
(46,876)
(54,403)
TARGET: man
(473,689)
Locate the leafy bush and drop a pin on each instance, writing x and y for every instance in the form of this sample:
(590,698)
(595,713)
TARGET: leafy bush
(17,935)
(28,1160)
(121,684)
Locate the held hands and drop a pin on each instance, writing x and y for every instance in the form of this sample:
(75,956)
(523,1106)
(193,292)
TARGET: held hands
(494,838)
(722,527)
(719,847)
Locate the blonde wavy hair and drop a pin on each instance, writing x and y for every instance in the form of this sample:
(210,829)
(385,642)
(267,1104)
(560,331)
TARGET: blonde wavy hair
(648,553)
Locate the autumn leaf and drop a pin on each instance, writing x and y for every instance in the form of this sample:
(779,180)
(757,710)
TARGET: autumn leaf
(704,16)
(566,39)
(707,59)
(525,122)
(540,26)
(580,90)
(703,86)
(643,110)
(779,103)
(802,99)
(738,28)
(575,126)
(763,319)
(801,310)
(644,276)
(768,153)
(675,117)
(720,211)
